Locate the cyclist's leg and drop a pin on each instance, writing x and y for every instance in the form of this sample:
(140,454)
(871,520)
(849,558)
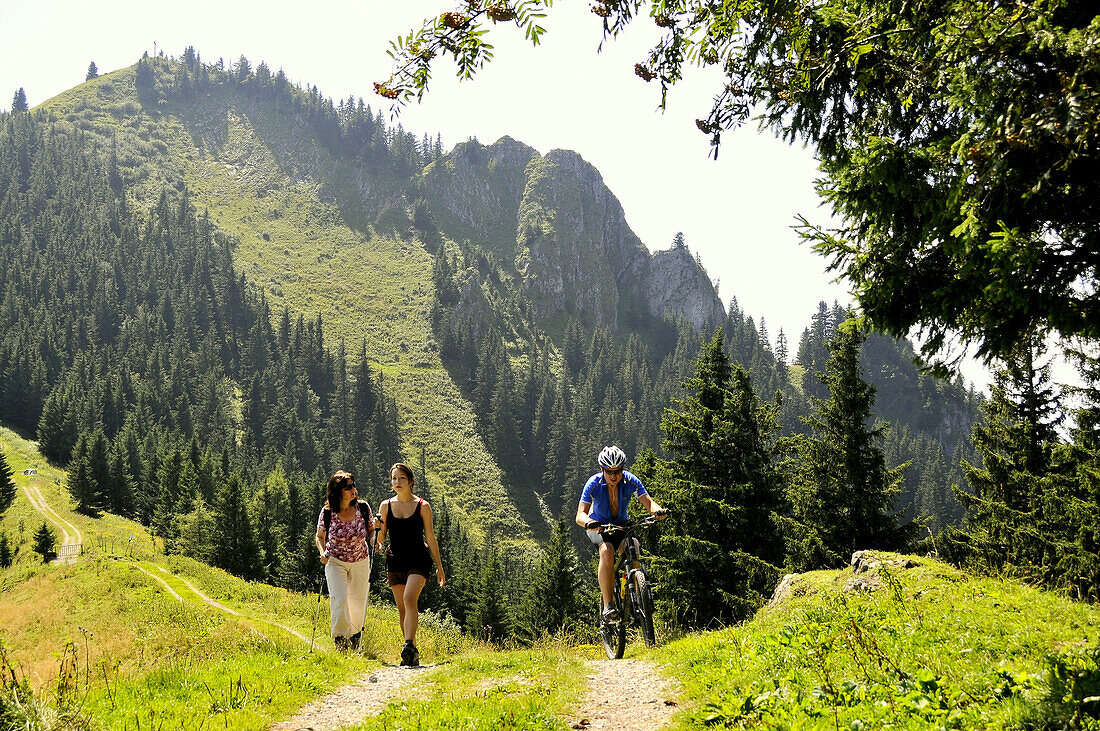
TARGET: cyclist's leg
(606,572)
(637,553)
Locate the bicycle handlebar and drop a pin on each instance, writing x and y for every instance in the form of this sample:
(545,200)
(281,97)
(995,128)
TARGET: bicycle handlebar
(612,528)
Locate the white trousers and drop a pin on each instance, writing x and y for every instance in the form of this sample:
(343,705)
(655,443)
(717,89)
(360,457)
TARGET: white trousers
(347,592)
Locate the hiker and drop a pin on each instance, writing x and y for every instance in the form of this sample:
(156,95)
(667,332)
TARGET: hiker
(407,519)
(604,501)
(346,529)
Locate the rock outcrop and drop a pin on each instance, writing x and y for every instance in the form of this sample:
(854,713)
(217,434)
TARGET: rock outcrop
(553,218)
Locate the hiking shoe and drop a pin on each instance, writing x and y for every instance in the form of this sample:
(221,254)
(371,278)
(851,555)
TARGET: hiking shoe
(407,653)
(610,613)
(353,641)
(414,657)
(340,642)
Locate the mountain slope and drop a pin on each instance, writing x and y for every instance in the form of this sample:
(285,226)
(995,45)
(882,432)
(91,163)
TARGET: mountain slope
(321,222)
(267,181)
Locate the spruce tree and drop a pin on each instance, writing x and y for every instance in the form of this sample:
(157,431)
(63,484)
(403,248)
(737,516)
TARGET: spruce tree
(19,101)
(238,551)
(719,549)
(7,485)
(93,72)
(57,429)
(489,618)
(6,556)
(45,542)
(841,487)
(1008,511)
(80,485)
(552,602)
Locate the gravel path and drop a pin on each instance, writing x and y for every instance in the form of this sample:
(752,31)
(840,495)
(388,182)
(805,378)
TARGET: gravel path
(626,695)
(350,704)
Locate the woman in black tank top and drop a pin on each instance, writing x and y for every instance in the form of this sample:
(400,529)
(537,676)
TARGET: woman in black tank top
(407,520)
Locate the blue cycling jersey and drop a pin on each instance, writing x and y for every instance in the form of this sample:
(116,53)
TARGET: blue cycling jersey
(596,493)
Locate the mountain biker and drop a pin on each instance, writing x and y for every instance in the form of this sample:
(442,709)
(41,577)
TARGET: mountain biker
(604,500)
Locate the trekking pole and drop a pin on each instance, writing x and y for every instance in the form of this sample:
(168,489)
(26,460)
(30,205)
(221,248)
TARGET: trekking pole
(320,586)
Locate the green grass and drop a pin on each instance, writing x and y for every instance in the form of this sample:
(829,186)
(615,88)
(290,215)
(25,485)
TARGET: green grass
(522,689)
(296,216)
(145,658)
(934,648)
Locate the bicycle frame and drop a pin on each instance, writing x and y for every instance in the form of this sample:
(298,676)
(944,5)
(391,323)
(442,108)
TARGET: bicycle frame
(630,593)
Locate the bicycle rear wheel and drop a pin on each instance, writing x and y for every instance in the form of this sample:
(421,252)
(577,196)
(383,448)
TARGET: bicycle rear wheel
(643,607)
(612,634)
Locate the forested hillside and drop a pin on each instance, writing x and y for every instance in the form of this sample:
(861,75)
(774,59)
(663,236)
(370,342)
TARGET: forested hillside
(219,287)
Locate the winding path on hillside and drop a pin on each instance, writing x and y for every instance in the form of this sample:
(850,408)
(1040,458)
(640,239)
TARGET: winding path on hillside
(213,603)
(70,542)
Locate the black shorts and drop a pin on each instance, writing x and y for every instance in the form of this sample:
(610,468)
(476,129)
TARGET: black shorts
(616,539)
(400,578)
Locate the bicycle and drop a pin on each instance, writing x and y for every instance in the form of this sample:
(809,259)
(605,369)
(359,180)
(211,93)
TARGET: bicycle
(631,596)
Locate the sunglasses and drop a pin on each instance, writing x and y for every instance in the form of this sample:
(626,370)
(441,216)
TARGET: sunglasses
(613,472)
(349,486)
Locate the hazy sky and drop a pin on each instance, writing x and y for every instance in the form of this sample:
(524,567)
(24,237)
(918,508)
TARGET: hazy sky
(736,212)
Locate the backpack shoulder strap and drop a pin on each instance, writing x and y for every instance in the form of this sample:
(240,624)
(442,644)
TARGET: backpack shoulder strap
(328,521)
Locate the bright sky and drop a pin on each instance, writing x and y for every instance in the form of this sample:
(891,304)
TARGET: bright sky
(736,212)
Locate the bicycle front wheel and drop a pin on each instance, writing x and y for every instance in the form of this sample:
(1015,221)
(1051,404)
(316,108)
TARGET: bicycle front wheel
(612,634)
(643,608)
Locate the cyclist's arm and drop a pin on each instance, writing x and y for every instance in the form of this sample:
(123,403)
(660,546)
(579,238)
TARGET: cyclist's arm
(582,514)
(650,504)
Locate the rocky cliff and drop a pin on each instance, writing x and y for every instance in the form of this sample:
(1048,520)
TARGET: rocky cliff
(566,235)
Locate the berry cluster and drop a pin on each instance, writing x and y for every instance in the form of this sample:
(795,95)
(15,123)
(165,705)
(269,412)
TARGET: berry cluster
(644,72)
(382,90)
(500,12)
(454,20)
(601,10)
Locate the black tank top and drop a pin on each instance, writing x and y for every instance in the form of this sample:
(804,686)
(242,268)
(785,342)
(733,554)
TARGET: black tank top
(407,548)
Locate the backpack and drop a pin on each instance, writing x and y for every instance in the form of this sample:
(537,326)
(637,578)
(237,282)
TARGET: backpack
(368,518)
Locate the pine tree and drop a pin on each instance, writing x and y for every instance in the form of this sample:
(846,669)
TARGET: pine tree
(552,602)
(841,486)
(57,429)
(19,101)
(6,556)
(45,542)
(7,486)
(489,618)
(722,491)
(93,72)
(1007,509)
(238,551)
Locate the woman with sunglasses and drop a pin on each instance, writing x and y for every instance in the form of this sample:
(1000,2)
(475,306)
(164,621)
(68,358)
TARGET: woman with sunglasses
(604,500)
(345,531)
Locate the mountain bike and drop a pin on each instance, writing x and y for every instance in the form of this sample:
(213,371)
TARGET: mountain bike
(631,596)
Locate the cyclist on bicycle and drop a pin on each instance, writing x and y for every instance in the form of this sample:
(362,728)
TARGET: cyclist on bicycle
(604,500)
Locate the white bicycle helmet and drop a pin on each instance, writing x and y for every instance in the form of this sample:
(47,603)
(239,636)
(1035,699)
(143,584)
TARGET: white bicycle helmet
(612,458)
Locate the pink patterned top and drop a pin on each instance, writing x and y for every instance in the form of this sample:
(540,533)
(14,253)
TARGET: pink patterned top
(347,541)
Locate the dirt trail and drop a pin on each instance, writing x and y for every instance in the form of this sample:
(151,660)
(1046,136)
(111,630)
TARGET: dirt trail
(350,704)
(217,605)
(626,695)
(70,544)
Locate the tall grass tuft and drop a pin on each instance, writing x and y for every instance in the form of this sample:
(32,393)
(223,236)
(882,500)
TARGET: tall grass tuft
(22,708)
